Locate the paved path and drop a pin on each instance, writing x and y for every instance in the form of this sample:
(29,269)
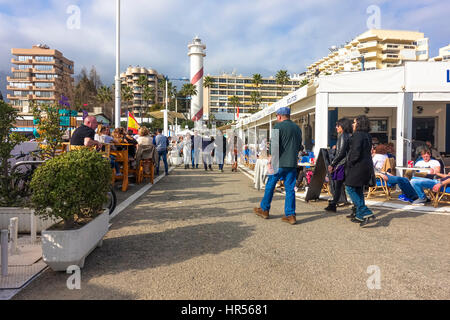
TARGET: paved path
(194,236)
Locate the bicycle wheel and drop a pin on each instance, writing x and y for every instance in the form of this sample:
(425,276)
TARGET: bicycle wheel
(112,200)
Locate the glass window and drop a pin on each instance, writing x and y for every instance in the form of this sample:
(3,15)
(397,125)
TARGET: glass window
(24,58)
(44,59)
(43,84)
(221,80)
(23,66)
(239,80)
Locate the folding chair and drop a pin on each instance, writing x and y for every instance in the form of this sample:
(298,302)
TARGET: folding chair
(381,185)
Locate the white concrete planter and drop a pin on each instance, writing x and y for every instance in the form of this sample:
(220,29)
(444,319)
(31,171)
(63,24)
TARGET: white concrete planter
(61,249)
(24,215)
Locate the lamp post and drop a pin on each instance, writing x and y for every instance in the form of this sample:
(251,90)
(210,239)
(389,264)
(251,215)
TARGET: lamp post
(117,106)
(166,117)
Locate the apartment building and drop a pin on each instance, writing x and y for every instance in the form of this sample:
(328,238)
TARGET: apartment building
(131,79)
(216,98)
(444,54)
(374,49)
(39,74)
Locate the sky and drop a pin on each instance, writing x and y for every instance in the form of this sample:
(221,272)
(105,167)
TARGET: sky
(245,36)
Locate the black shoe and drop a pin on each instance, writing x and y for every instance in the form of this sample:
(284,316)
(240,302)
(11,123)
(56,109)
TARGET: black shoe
(366,220)
(331,208)
(210,168)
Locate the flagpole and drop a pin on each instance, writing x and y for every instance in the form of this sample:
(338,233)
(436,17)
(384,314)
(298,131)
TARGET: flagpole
(117,79)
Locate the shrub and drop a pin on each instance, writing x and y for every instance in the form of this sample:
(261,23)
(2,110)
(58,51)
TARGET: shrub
(10,193)
(71,187)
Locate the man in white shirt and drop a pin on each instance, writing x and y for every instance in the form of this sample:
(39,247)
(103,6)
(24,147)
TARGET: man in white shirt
(433,168)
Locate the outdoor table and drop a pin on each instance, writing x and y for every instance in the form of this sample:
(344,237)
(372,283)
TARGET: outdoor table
(122,156)
(260,173)
(412,169)
(304,164)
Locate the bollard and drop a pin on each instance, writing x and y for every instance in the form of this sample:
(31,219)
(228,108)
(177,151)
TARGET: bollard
(33,228)
(4,245)
(13,234)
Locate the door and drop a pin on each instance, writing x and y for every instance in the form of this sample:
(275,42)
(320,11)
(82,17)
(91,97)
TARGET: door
(423,129)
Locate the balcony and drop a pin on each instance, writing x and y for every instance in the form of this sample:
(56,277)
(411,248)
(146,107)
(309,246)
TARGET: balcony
(12,79)
(21,70)
(391,46)
(23,97)
(390,57)
(370,55)
(35,97)
(43,89)
(368,45)
(34,79)
(11,88)
(28,61)
(53,70)
(43,62)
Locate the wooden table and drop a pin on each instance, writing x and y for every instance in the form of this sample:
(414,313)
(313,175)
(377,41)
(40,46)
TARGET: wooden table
(122,156)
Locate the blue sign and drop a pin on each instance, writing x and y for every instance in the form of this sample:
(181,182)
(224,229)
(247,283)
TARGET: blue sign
(448,75)
(22,129)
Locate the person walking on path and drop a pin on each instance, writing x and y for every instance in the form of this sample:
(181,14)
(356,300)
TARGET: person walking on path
(359,168)
(337,166)
(290,143)
(161,146)
(187,149)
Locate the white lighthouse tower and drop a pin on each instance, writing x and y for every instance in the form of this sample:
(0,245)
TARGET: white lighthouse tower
(197,54)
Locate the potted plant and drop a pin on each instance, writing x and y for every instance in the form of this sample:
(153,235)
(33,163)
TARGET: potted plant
(72,187)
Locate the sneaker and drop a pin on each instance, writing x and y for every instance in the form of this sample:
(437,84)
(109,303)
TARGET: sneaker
(419,202)
(261,213)
(291,220)
(404,198)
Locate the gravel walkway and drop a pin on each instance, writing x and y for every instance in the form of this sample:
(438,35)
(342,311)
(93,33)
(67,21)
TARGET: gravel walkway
(194,236)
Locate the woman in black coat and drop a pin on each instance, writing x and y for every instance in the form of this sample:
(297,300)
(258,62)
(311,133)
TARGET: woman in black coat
(359,168)
(337,166)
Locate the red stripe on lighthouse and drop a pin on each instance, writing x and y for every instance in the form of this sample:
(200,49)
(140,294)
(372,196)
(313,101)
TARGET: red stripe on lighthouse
(198,116)
(197,77)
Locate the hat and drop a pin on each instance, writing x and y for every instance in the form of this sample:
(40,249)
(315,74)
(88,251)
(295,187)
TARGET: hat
(285,111)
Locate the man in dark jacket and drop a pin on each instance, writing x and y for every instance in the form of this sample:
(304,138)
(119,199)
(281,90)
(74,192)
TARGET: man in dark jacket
(290,143)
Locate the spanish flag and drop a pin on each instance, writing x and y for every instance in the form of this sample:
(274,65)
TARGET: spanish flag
(132,123)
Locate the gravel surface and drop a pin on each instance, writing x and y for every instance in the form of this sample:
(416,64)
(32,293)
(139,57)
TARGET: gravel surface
(194,236)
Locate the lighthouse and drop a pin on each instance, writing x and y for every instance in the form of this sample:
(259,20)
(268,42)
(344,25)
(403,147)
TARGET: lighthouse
(197,55)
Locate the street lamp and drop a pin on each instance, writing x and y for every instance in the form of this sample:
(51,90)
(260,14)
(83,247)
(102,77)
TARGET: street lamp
(166,120)
(176,111)
(117,106)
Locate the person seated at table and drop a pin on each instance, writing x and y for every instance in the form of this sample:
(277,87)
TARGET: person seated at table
(425,161)
(390,148)
(85,134)
(419,184)
(379,157)
(144,139)
(434,152)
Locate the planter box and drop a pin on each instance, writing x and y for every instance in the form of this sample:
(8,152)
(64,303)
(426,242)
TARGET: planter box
(24,215)
(61,249)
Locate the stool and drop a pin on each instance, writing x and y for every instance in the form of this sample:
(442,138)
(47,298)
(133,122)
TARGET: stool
(142,175)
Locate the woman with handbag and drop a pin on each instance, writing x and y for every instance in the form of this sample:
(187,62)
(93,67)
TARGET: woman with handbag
(359,171)
(337,166)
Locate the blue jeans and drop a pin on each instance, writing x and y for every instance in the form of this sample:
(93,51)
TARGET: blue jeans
(357,196)
(162,154)
(404,185)
(194,158)
(289,176)
(422,183)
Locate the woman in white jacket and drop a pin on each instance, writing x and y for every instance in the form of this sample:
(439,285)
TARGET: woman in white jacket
(187,147)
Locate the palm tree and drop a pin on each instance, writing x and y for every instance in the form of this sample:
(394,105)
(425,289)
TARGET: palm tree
(207,83)
(189,90)
(257,80)
(104,95)
(282,78)
(255,98)
(304,82)
(148,95)
(127,94)
(234,101)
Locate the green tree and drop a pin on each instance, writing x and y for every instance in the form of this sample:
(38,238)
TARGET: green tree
(104,97)
(304,82)
(86,89)
(127,94)
(49,129)
(9,193)
(255,99)
(189,90)
(234,101)
(282,78)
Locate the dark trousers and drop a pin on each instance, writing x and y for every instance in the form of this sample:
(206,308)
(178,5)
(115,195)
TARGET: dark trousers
(162,154)
(337,189)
